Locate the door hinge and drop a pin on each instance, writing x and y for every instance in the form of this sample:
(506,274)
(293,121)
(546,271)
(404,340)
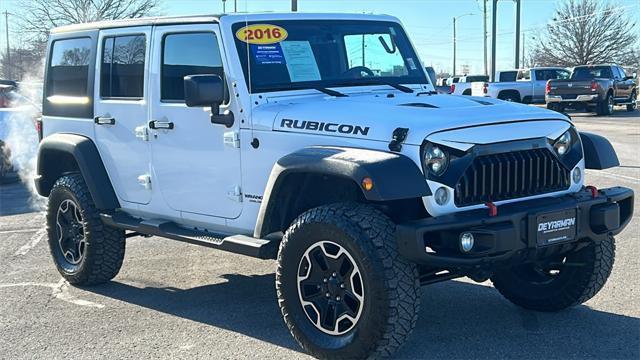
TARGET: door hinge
(235,194)
(145,181)
(142,133)
(232,139)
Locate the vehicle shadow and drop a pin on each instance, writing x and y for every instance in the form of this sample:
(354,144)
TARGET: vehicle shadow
(619,112)
(458,320)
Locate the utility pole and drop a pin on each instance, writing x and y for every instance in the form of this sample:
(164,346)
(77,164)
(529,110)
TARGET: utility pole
(454,40)
(235,6)
(363,50)
(517,55)
(294,5)
(523,37)
(224,6)
(9,64)
(484,13)
(453,73)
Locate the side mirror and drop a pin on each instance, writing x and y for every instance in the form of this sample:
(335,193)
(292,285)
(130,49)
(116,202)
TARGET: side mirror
(207,90)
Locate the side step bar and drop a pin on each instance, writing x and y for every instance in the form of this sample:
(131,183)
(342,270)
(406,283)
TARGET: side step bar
(239,244)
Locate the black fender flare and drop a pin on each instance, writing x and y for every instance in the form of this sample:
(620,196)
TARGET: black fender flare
(599,154)
(395,176)
(54,148)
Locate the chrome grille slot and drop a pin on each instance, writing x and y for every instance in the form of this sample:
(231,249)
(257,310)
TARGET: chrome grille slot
(512,175)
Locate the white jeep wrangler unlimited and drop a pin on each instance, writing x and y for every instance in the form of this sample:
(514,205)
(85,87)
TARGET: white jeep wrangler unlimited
(316,140)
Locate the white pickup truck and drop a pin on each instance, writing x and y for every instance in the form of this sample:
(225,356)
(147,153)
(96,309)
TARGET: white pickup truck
(528,88)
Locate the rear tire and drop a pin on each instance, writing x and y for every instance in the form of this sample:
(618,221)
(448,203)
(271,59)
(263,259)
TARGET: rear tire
(605,107)
(510,97)
(633,102)
(556,107)
(580,275)
(384,302)
(84,249)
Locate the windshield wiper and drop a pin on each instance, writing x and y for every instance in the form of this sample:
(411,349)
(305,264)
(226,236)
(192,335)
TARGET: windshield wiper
(330,92)
(370,81)
(402,88)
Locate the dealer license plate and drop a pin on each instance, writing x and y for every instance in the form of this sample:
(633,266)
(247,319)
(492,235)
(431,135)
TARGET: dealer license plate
(556,227)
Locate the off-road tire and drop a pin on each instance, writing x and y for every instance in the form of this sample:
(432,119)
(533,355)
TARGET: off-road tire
(391,284)
(633,102)
(602,108)
(105,245)
(581,283)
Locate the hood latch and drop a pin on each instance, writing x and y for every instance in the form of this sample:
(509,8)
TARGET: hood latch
(398,137)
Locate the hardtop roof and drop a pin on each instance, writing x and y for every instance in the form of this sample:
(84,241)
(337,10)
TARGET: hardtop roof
(198,19)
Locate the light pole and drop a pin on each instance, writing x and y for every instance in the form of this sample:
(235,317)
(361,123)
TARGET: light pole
(224,6)
(454,40)
(294,5)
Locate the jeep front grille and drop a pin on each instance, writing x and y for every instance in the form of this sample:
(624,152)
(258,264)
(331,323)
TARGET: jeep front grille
(511,175)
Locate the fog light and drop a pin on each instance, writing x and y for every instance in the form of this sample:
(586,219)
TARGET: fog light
(441,196)
(577,175)
(466,241)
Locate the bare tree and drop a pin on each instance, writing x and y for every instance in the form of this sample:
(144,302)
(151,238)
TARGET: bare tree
(23,62)
(588,32)
(39,16)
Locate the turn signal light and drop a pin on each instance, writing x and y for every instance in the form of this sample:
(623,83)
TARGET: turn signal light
(594,86)
(452,88)
(547,89)
(485,88)
(367,184)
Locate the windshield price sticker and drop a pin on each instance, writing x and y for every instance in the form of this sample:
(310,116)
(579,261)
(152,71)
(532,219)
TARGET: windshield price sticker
(262,34)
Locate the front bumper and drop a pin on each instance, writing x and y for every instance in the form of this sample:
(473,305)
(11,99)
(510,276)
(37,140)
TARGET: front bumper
(514,231)
(579,98)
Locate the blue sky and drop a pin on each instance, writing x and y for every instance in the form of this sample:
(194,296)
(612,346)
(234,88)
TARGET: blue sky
(428,22)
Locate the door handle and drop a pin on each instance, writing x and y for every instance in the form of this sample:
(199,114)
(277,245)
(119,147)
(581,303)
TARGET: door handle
(160,125)
(104,120)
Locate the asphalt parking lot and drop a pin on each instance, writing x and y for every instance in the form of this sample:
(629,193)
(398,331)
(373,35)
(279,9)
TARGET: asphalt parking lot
(173,300)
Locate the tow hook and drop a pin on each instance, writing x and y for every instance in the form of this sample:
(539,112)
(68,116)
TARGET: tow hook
(594,191)
(493,209)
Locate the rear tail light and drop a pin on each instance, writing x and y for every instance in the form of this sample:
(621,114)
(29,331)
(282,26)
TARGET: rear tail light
(594,86)
(452,88)
(547,89)
(485,88)
(38,126)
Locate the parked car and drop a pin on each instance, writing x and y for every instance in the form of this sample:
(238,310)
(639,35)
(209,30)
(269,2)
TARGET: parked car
(243,133)
(6,94)
(463,87)
(7,171)
(593,88)
(528,88)
(435,81)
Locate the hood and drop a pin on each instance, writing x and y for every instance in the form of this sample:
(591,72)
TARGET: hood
(374,116)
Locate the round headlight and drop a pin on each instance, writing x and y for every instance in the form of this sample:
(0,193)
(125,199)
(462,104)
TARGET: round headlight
(436,160)
(563,144)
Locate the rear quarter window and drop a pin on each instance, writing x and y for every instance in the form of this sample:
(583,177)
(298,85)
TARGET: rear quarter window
(69,78)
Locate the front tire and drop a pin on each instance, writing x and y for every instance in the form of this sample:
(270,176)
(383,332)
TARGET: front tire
(567,281)
(341,262)
(85,250)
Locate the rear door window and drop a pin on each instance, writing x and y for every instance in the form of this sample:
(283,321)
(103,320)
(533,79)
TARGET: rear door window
(69,68)
(122,70)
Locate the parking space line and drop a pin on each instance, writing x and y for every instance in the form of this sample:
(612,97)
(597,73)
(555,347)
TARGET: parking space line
(18,231)
(35,239)
(617,176)
(59,291)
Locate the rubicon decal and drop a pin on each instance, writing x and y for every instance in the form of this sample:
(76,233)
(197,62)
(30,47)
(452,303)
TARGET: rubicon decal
(556,225)
(324,127)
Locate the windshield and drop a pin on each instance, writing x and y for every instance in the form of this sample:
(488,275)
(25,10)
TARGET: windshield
(588,73)
(295,54)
